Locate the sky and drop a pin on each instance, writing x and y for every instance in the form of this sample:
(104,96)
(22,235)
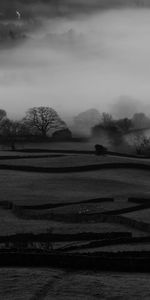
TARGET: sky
(73,63)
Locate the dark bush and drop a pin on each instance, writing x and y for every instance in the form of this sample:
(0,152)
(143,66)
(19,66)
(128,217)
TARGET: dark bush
(100,150)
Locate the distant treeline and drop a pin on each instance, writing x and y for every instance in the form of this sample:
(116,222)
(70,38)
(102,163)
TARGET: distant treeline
(36,125)
(44,123)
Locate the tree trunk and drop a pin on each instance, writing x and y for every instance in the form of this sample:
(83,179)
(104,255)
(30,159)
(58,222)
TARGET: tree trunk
(44,135)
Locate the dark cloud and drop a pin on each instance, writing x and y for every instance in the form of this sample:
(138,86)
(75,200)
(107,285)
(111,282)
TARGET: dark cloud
(32,8)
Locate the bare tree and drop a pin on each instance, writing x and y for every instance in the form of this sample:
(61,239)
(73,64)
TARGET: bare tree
(142,144)
(10,127)
(140,120)
(107,120)
(124,125)
(9,131)
(3,114)
(43,119)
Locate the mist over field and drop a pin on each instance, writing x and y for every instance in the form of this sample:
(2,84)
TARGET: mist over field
(72,63)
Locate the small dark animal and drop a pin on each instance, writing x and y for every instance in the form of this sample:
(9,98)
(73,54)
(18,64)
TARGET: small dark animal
(100,150)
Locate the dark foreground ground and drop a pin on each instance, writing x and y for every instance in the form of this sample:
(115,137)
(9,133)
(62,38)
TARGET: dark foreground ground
(27,284)
(102,209)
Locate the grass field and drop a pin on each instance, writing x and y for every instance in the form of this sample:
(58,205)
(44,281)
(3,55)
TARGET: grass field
(32,188)
(35,188)
(69,160)
(142,215)
(10,224)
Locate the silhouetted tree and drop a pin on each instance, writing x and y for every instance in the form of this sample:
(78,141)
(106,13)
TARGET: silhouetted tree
(3,115)
(11,130)
(43,119)
(113,129)
(107,120)
(124,125)
(140,120)
(142,144)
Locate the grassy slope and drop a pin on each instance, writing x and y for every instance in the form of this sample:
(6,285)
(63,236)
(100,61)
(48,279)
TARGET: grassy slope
(35,188)
(71,160)
(31,188)
(142,215)
(9,224)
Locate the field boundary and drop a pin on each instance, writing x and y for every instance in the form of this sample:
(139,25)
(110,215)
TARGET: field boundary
(61,204)
(85,218)
(7,157)
(139,200)
(85,168)
(121,261)
(82,152)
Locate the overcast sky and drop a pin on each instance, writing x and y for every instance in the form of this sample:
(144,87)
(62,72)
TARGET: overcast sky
(72,64)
